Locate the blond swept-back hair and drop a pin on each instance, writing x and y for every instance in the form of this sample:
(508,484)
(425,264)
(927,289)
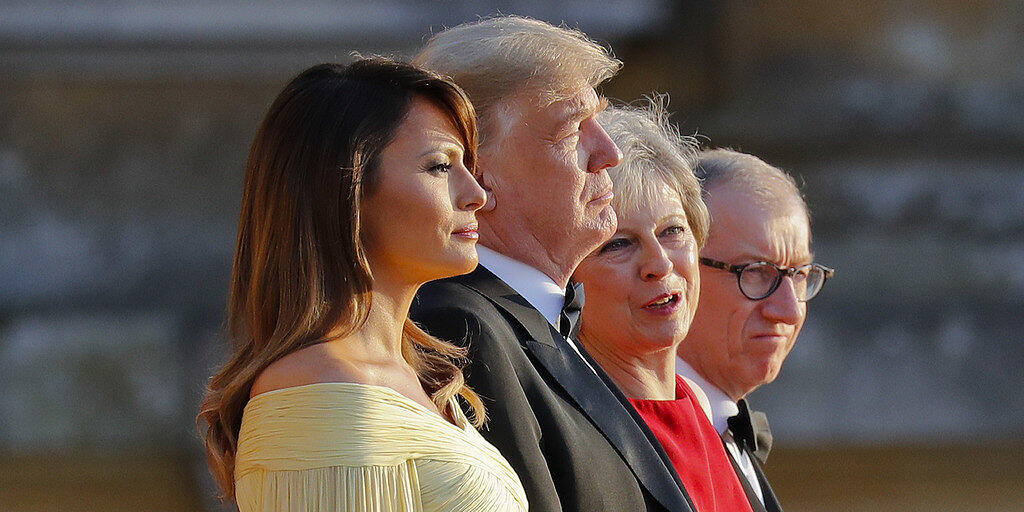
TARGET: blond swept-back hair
(765,183)
(499,57)
(654,153)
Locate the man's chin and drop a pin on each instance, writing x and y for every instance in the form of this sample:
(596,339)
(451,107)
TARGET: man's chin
(605,223)
(764,373)
(598,230)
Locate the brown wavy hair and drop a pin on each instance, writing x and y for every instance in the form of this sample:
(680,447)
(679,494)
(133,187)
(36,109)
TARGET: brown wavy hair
(300,271)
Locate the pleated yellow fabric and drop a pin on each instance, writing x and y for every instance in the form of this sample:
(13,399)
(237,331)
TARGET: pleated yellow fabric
(338,446)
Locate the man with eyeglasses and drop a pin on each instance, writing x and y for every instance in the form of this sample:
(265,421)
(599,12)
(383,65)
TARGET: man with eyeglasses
(756,275)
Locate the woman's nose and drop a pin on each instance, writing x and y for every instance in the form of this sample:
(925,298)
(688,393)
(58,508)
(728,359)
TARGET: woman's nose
(656,264)
(469,195)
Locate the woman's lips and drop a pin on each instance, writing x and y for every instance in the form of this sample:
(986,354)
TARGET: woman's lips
(665,304)
(468,232)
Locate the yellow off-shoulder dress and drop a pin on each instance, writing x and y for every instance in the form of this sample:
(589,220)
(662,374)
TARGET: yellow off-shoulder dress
(354,447)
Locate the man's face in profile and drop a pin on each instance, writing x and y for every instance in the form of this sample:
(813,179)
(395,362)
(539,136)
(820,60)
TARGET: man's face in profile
(547,170)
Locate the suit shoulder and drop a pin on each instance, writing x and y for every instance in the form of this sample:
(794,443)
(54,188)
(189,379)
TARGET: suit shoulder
(451,295)
(455,312)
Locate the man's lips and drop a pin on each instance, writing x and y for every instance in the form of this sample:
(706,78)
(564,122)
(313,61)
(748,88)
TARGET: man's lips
(770,337)
(604,197)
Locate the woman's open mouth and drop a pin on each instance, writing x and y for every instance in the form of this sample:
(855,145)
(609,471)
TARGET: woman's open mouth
(665,303)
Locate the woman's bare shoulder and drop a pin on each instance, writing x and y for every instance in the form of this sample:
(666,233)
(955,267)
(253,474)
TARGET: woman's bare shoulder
(309,365)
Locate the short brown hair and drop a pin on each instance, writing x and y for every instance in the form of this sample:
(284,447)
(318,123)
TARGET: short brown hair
(765,182)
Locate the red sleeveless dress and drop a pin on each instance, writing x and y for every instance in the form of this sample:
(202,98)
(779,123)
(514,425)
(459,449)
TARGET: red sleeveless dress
(696,450)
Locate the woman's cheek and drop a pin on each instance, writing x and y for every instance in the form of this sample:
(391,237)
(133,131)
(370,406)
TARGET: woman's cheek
(431,210)
(614,292)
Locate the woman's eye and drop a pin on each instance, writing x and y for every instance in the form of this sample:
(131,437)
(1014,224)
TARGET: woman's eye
(439,168)
(613,245)
(674,230)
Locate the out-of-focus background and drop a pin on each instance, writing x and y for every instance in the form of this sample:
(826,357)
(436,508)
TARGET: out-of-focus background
(124,126)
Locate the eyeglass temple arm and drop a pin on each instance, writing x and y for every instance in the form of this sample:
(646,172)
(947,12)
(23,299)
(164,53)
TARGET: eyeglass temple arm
(735,269)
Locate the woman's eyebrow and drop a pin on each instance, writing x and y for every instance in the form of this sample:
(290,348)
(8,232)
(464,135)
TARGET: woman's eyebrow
(678,217)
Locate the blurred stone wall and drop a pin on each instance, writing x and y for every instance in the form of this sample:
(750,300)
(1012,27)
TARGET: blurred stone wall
(917,338)
(119,205)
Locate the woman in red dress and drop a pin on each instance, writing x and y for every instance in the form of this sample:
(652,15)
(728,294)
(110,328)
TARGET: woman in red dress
(641,293)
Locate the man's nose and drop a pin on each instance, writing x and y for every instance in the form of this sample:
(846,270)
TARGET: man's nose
(603,151)
(782,305)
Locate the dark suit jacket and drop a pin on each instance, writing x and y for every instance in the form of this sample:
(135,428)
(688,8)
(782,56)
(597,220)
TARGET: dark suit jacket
(571,436)
(771,502)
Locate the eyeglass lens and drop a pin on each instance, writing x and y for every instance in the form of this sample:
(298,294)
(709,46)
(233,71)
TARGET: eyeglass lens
(760,280)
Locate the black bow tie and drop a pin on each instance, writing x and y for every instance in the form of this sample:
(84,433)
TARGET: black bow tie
(569,318)
(750,429)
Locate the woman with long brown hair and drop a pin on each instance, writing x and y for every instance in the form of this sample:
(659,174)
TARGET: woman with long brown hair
(359,188)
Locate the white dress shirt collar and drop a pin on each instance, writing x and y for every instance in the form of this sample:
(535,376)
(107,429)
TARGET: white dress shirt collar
(535,286)
(722,407)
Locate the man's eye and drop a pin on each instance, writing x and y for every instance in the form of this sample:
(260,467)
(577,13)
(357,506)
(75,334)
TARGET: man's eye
(614,245)
(570,135)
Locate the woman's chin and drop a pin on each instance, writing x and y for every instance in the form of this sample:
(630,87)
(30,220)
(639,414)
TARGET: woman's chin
(461,264)
(664,334)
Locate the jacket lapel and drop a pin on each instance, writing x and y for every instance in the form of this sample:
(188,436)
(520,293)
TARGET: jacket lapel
(593,393)
(755,503)
(771,502)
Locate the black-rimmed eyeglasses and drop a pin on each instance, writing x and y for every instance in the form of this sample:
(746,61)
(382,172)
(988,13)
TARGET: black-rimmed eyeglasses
(760,279)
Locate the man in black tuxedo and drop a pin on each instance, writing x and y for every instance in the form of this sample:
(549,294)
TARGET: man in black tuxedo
(572,437)
(745,327)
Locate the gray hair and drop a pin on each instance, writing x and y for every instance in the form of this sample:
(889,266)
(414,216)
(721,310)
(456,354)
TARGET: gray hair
(767,184)
(498,57)
(653,154)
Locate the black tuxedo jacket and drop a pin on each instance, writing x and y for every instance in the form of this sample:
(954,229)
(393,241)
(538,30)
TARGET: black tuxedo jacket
(571,436)
(771,502)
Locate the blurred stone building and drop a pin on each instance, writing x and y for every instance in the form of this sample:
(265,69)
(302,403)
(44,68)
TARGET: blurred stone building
(123,133)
